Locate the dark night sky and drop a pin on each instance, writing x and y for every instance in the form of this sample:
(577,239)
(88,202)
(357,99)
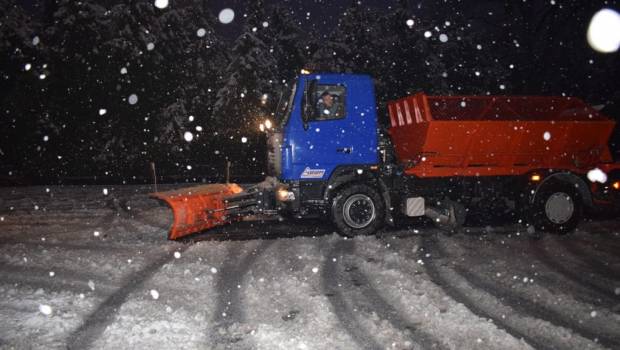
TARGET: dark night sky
(323,13)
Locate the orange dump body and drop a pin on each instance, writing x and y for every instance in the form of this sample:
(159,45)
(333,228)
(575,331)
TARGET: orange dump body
(197,208)
(443,136)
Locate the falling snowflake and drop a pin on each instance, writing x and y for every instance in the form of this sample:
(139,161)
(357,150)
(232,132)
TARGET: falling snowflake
(597,175)
(36,41)
(123,70)
(188,136)
(427,34)
(45,309)
(177,255)
(46,138)
(410,23)
(154,294)
(244,139)
(201,32)
(105,191)
(42,76)
(443,38)
(604,31)
(547,136)
(133,99)
(315,269)
(150,46)
(27,66)
(226,16)
(213,270)
(102,111)
(161,4)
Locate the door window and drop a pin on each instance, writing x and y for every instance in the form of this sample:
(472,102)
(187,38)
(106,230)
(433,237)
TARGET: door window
(330,102)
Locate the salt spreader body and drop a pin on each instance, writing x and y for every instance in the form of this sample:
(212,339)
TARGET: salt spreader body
(441,156)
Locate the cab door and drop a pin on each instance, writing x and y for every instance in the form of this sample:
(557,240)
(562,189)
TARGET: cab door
(323,138)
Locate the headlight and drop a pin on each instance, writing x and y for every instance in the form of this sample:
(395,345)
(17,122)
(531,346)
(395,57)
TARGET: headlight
(284,195)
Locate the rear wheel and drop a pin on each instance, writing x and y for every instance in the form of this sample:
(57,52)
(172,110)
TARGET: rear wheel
(357,210)
(557,207)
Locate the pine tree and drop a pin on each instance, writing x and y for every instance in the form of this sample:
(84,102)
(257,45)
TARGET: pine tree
(250,74)
(23,70)
(107,55)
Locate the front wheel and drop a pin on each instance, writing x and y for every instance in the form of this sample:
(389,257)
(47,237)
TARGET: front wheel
(357,210)
(557,207)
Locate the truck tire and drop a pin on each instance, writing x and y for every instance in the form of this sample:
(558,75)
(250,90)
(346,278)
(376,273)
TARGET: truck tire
(557,207)
(357,210)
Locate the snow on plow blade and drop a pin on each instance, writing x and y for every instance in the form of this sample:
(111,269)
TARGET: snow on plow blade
(197,208)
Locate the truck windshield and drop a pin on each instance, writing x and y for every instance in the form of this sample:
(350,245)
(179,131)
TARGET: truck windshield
(285,106)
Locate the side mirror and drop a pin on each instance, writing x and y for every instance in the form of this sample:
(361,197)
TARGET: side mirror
(308,103)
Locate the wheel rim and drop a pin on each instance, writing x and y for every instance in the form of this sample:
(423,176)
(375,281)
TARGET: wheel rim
(359,211)
(559,208)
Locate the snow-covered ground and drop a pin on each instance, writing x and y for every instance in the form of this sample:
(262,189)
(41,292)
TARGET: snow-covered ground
(89,267)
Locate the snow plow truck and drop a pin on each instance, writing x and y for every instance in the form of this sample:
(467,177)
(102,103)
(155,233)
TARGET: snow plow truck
(545,158)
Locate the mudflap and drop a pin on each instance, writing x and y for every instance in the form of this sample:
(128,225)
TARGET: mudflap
(198,208)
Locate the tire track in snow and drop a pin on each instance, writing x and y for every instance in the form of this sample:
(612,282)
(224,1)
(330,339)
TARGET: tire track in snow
(344,312)
(540,253)
(92,246)
(460,294)
(388,312)
(528,307)
(584,254)
(27,231)
(372,301)
(598,248)
(229,311)
(95,324)
(63,280)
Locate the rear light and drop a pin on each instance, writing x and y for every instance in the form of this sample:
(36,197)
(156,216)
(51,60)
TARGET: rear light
(616,185)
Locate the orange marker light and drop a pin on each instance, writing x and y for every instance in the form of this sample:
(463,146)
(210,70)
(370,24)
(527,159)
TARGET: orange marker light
(616,185)
(535,178)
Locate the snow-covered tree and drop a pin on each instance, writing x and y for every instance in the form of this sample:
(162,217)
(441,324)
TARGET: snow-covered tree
(138,73)
(249,76)
(23,73)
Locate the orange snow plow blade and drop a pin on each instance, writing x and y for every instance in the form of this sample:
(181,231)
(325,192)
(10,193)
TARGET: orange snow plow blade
(197,208)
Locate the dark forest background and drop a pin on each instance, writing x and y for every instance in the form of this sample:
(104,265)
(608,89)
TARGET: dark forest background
(61,65)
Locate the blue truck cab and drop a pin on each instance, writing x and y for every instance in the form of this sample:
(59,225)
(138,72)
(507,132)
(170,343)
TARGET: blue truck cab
(317,140)
(327,142)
